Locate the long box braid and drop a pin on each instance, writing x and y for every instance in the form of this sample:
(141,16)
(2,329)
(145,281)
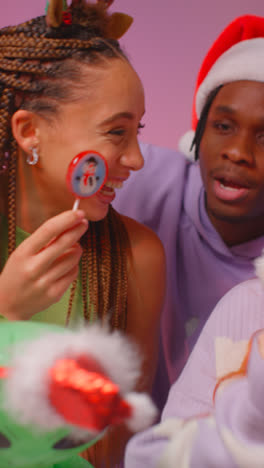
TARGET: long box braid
(30,52)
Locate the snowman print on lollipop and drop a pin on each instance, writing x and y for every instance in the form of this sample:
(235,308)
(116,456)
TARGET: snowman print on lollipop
(86,175)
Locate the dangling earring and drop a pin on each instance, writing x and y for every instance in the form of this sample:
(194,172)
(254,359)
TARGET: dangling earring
(33,158)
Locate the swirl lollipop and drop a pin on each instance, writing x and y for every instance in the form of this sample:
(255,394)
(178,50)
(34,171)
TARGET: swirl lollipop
(86,175)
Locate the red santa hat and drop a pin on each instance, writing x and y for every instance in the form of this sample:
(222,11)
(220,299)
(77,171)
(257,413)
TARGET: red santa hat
(81,379)
(237,54)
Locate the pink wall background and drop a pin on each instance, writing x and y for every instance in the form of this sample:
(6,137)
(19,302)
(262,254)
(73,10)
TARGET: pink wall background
(166,45)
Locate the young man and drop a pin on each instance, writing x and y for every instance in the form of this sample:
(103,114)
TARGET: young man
(209,214)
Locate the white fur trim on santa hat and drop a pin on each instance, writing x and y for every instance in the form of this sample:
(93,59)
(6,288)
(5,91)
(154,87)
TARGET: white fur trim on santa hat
(26,388)
(185,144)
(243,61)
(144,411)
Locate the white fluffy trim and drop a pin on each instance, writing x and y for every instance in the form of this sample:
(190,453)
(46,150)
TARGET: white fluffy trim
(143,411)
(185,144)
(259,267)
(243,61)
(26,389)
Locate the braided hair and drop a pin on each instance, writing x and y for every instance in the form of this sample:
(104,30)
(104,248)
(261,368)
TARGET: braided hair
(40,67)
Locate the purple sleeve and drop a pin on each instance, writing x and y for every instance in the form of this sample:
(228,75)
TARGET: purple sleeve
(153,195)
(191,397)
(232,436)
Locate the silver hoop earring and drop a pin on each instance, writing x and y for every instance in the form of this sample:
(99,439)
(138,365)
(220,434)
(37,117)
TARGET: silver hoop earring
(33,158)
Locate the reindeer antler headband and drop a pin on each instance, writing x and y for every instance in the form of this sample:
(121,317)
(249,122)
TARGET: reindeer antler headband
(59,12)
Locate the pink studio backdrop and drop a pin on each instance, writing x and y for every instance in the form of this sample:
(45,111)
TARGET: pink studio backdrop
(166,44)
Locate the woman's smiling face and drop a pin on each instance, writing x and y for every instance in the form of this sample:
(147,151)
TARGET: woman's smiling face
(105,119)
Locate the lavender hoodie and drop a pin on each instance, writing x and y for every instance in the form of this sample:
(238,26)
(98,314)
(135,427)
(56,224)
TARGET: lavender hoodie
(196,432)
(168,196)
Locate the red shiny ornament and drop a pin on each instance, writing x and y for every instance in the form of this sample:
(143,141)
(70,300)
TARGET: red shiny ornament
(84,396)
(67,17)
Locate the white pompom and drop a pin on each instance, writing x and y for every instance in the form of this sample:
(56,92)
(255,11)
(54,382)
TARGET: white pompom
(259,267)
(144,411)
(185,144)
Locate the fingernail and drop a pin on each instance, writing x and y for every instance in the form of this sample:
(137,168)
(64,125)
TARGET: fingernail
(80,213)
(85,222)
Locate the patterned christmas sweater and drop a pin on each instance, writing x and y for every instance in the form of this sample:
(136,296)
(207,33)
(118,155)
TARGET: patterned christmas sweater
(214,416)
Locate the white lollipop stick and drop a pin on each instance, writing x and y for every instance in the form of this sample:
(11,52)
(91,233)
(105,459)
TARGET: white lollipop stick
(76,204)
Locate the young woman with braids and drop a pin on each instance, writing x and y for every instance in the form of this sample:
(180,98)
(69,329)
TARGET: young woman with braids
(66,87)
